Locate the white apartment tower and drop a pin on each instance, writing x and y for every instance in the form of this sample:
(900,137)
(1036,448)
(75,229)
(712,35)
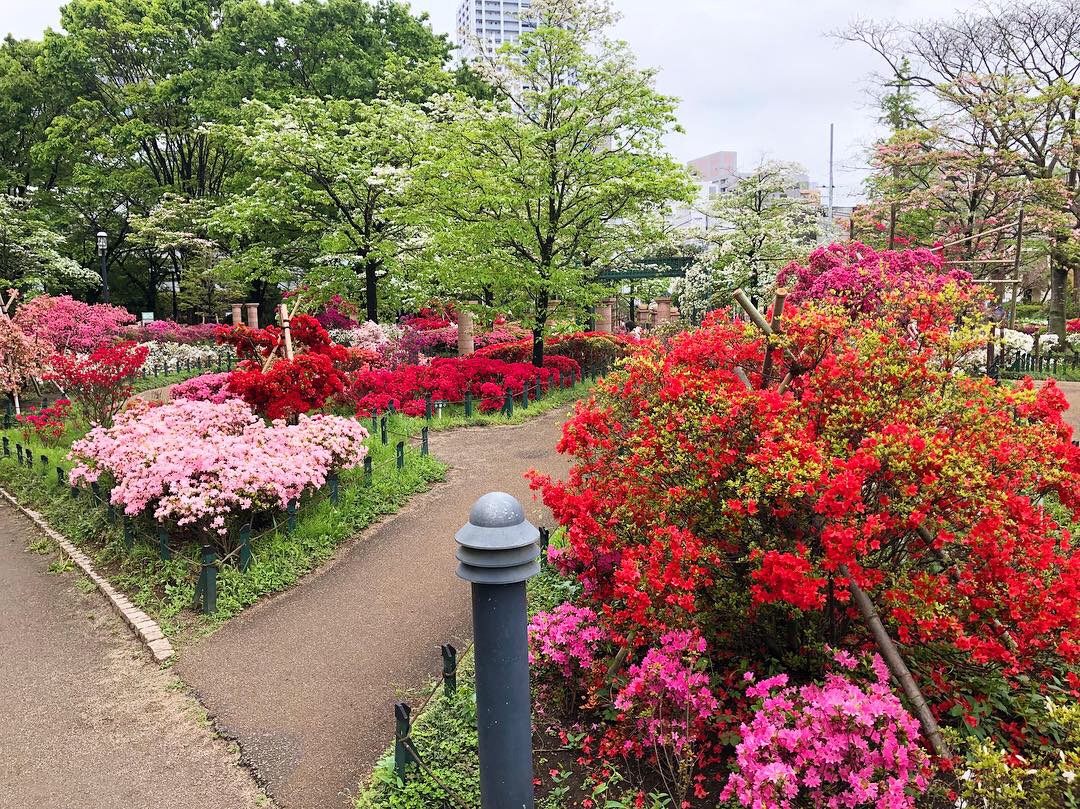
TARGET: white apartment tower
(489,23)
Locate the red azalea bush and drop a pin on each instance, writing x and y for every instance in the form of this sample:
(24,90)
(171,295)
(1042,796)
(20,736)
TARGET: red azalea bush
(47,424)
(855,275)
(1072,326)
(71,325)
(429,319)
(101,382)
(751,518)
(587,349)
(447,379)
(276,387)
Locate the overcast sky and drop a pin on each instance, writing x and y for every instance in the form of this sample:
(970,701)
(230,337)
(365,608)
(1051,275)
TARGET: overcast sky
(758,76)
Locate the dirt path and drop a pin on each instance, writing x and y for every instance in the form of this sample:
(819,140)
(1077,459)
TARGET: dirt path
(307,680)
(87,720)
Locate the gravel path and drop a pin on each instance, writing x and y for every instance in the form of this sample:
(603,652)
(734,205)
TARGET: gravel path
(86,719)
(306,680)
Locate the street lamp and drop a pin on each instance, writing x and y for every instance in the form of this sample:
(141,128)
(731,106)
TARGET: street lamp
(102,249)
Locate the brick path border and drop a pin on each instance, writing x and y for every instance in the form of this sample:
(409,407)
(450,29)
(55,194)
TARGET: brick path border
(144,627)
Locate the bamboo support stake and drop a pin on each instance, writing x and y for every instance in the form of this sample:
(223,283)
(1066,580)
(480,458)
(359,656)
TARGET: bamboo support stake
(752,312)
(774,324)
(898,668)
(285,328)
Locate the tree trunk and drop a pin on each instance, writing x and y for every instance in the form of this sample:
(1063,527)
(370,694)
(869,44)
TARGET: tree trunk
(540,328)
(371,290)
(1059,281)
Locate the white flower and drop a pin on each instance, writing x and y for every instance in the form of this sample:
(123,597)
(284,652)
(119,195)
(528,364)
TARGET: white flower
(1068,775)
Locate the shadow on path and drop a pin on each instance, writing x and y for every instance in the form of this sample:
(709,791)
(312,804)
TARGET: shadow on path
(306,680)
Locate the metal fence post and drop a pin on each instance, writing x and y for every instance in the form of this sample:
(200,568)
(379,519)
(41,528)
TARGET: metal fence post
(7,415)
(449,670)
(7,447)
(18,452)
(508,405)
(368,470)
(382,425)
(29,455)
(290,509)
(400,455)
(206,588)
(245,547)
(402,754)
(44,464)
(525,395)
(498,553)
(375,420)
(468,404)
(163,545)
(545,540)
(59,476)
(428,412)
(334,484)
(424,441)
(129,535)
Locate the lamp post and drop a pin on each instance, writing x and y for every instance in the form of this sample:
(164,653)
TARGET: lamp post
(102,249)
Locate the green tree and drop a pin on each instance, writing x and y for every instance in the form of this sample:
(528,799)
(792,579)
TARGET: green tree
(333,178)
(31,255)
(522,196)
(759,226)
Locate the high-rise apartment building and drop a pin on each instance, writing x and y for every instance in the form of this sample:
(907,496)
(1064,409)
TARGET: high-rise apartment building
(487,24)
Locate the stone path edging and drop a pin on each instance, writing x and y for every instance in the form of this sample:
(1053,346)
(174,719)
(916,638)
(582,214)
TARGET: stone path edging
(144,627)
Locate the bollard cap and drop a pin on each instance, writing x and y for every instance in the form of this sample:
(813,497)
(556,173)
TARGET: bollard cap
(498,545)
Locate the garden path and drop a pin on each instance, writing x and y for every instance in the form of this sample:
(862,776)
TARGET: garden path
(87,719)
(306,680)
(1072,396)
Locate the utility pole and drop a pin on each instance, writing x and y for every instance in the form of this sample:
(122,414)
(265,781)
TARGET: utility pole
(831,127)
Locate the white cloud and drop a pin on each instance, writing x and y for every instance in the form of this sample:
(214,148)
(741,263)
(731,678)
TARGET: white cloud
(760,77)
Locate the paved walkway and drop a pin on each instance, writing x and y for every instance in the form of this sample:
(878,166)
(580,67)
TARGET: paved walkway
(307,680)
(86,720)
(1072,395)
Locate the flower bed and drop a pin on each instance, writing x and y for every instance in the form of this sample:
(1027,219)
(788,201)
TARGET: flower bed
(71,325)
(204,466)
(169,331)
(447,379)
(587,349)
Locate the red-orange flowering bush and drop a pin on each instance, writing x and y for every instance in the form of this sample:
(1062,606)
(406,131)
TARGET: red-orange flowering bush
(751,516)
(101,382)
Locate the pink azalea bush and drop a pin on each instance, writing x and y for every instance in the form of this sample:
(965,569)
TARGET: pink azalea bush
(205,388)
(855,275)
(169,331)
(835,745)
(22,357)
(201,464)
(71,325)
(568,639)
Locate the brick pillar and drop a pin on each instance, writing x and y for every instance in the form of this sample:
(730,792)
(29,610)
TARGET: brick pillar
(252,315)
(465,343)
(603,316)
(644,316)
(237,314)
(663,311)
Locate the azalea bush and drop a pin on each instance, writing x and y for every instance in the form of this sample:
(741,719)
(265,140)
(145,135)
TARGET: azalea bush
(865,480)
(200,467)
(587,349)
(855,275)
(169,331)
(70,325)
(23,357)
(838,743)
(47,423)
(101,382)
(205,388)
(278,387)
(447,379)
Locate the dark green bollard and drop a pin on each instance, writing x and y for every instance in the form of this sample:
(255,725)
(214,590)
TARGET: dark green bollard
(424,441)
(449,670)
(163,545)
(508,405)
(129,535)
(334,484)
(468,404)
(206,588)
(290,509)
(44,464)
(525,395)
(18,452)
(375,420)
(428,410)
(403,756)
(400,455)
(382,430)
(368,471)
(245,548)
(29,456)
(7,447)
(59,476)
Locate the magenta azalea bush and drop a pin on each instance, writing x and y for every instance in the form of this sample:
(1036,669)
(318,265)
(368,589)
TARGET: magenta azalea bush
(568,639)
(835,745)
(205,388)
(169,331)
(71,325)
(201,464)
(855,275)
